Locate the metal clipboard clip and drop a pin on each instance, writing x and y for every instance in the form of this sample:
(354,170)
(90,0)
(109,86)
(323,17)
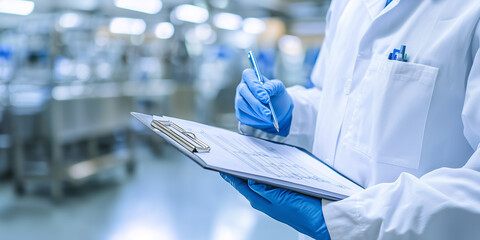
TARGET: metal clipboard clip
(192,145)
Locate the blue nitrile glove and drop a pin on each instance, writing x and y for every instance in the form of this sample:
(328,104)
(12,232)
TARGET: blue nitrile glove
(251,104)
(301,212)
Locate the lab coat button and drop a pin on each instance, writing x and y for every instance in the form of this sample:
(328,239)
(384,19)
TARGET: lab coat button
(347,87)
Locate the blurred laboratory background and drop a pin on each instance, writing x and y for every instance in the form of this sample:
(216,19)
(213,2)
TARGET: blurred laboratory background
(75,165)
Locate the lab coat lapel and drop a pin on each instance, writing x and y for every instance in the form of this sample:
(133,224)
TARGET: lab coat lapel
(383,19)
(395,15)
(376,8)
(381,16)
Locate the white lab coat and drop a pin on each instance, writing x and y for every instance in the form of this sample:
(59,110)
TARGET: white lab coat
(407,131)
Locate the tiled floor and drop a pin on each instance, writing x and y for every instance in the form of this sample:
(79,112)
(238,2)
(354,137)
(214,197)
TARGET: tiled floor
(170,197)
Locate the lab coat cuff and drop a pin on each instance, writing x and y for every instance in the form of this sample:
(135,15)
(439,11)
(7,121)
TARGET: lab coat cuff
(300,112)
(254,132)
(343,218)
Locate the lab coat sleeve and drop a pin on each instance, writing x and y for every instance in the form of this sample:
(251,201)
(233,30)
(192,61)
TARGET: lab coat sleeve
(303,119)
(442,204)
(304,115)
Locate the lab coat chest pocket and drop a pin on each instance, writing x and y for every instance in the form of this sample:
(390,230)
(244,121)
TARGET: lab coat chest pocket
(390,111)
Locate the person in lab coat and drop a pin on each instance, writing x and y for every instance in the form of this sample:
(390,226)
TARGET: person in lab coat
(409,132)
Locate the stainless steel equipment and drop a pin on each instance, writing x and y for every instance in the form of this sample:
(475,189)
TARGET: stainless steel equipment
(73,138)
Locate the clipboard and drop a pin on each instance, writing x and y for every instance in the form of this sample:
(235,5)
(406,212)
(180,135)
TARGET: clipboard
(189,141)
(195,148)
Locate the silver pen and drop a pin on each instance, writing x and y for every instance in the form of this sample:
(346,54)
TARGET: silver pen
(253,63)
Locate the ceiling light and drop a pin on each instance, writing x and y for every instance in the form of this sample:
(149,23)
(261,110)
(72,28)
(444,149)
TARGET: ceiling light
(145,6)
(228,21)
(130,26)
(70,20)
(253,26)
(164,30)
(16,7)
(191,13)
(290,44)
(203,32)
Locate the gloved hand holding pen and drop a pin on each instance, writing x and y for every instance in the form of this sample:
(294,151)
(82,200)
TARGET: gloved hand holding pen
(251,104)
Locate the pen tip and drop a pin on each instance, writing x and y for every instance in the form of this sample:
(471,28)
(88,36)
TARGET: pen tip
(276,126)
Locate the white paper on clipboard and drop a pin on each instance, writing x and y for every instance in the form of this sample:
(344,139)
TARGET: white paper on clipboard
(272,163)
